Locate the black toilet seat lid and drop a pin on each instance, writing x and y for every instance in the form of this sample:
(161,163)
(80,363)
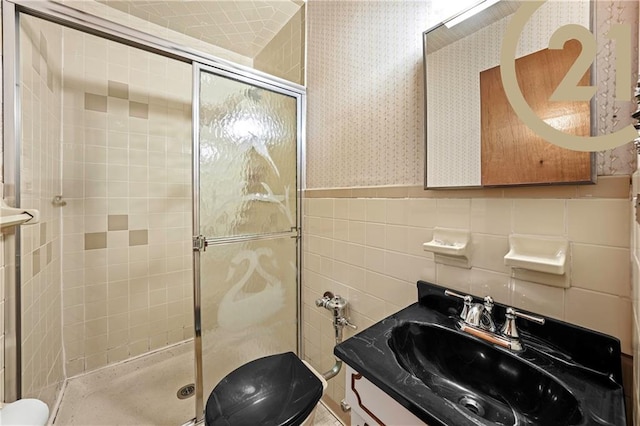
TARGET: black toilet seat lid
(277,390)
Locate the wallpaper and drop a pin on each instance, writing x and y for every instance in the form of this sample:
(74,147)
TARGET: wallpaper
(612,114)
(364,86)
(365,124)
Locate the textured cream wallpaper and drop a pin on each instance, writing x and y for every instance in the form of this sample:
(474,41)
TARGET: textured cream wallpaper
(612,114)
(364,79)
(365,92)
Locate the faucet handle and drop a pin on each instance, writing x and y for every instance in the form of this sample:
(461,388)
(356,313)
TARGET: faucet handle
(509,328)
(345,321)
(533,318)
(458,295)
(488,303)
(467,302)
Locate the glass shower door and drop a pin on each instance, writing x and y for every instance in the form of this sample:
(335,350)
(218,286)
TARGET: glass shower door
(246,252)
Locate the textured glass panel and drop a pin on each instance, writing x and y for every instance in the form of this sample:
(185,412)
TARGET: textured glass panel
(248,157)
(248,304)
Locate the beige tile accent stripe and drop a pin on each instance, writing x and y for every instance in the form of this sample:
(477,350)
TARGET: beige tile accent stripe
(100,103)
(118,222)
(607,187)
(118,90)
(138,237)
(138,109)
(95,240)
(95,102)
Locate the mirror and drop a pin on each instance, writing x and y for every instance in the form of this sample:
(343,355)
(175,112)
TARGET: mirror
(473,138)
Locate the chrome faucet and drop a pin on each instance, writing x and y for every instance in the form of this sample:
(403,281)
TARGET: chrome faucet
(477,319)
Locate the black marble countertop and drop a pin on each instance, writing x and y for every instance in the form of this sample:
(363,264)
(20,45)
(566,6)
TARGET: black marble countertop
(585,362)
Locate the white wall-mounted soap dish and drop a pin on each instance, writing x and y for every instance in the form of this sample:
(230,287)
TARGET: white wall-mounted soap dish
(450,246)
(548,255)
(11,216)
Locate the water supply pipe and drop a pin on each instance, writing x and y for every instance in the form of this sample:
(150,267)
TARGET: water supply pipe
(338,306)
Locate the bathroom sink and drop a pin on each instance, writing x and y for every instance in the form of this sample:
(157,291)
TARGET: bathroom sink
(483,379)
(423,359)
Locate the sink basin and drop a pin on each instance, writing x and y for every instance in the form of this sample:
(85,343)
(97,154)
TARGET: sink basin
(565,375)
(481,380)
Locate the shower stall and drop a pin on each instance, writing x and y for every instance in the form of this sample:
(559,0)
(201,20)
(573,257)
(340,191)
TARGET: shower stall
(168,184)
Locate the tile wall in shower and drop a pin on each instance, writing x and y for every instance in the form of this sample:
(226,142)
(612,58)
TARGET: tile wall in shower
(41,98)
(283,56)
(127,182)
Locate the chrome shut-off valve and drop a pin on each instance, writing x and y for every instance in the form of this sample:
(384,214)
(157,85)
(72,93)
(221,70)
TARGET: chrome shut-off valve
(338,305)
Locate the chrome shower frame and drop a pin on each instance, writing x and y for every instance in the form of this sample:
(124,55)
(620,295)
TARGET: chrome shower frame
(201,242)
(91,24)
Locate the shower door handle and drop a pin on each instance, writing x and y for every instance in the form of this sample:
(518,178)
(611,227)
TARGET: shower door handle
(199,243)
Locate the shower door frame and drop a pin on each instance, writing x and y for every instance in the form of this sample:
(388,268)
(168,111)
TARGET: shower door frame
(91,24)
(200,242)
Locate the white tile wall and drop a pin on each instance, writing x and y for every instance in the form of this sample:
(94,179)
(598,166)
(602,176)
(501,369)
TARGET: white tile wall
(129,158)
(284,55)
(162,31)
(42,364)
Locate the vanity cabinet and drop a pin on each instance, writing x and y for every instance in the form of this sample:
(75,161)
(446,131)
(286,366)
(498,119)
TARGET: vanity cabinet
(357,420)
(370,406)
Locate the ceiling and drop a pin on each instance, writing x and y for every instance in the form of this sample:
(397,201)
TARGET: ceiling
(242,26)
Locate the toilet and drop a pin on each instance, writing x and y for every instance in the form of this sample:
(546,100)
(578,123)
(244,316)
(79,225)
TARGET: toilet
(276,390)
(32,412)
